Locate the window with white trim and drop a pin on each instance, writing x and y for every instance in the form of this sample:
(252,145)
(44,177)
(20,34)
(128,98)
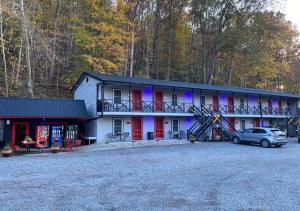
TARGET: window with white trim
(243,124)
(117,95)
(117,125)
(175,125)
(242,103)
(202,100)
(174,99)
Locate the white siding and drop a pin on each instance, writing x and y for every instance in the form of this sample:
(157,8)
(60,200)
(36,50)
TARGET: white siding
(87,91)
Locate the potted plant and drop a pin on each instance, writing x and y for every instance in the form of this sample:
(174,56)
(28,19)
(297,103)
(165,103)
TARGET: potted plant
(55,147)
(28,139)
(192,138)
(6,151)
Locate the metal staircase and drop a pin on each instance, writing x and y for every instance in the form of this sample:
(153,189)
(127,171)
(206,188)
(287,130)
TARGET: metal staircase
(205,122)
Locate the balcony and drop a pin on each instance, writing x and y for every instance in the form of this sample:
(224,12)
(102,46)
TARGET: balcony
(249,110)
(235,110)
(143,106)
(109,105)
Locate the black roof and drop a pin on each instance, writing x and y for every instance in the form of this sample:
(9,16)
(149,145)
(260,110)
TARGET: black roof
(178,84)
(42,108)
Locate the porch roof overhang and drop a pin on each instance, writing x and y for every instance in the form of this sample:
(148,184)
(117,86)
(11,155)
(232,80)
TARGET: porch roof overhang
(33,108)
(104,78)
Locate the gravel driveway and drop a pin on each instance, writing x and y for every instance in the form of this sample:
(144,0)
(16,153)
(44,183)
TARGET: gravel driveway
(205,176)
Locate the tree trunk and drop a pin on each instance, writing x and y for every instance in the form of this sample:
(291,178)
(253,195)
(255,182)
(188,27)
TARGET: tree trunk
(132,53)
(156,37)
(27,52)
(3,51)
(230,73)
(19,62)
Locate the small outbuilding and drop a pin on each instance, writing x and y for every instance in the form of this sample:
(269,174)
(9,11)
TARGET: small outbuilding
(43,120)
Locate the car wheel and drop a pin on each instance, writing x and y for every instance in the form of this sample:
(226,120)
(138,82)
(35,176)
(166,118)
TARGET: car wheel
(265,143)
(236,140)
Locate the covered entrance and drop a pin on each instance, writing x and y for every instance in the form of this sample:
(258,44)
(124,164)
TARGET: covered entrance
(19,131)
(159,101)
(137,128)
(159,127)
(137,100)
(215,103)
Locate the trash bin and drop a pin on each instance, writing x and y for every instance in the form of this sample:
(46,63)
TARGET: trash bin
(150,135)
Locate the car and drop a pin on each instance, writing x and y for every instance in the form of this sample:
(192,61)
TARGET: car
(266,137)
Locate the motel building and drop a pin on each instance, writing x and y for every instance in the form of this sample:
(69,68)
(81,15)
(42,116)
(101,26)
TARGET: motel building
(142,109)
(45,121)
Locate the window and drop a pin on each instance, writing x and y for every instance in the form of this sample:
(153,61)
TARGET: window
(175,125)
(117,125)
(174,99)
(259,131)
(87,79)
(202,100)
(1,130)
(117,96)
(242,103)
(243,124)
(248,131)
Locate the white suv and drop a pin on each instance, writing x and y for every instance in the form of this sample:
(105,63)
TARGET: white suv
(263,136)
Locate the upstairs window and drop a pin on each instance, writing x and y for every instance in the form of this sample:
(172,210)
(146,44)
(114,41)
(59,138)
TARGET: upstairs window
(117,125)
(117,95)
(174,99)
(242,103)
(175,125)
(202,100)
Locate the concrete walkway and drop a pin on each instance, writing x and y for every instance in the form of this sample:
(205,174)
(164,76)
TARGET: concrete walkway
(120,145)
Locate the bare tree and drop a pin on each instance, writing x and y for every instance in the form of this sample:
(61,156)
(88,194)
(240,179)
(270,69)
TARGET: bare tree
(3,50)
(28,48)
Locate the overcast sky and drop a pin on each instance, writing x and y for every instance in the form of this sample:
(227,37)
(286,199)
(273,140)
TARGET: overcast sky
(293,11)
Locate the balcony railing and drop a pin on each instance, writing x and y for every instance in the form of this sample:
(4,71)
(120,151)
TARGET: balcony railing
(142,106)
(180,107)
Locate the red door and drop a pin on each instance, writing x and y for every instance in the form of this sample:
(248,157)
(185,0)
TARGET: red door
(280,107)
(256,123)
(230,105)
(215,101)
(158,101)
(137,128)
(159,127)
(232,124)
(19,131)
(270,106)
(136,100)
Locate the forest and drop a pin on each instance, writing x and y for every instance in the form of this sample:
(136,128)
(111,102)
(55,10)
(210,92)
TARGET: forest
(47,44)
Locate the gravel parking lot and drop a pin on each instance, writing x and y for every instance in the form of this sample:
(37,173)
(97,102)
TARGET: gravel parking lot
(205,176)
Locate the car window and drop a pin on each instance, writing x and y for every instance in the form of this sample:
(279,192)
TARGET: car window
(277,132)
(248,131)
(259,130)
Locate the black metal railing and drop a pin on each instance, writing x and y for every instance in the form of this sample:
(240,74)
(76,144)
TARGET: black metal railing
(142,106)
(109,105)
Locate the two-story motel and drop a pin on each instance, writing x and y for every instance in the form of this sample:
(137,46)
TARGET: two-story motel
(138,106)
